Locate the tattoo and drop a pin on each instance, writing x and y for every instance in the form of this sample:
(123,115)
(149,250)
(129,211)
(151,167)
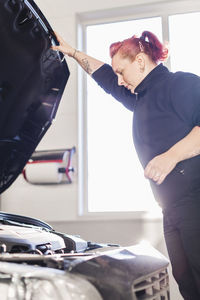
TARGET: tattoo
(83,61)
(86,66)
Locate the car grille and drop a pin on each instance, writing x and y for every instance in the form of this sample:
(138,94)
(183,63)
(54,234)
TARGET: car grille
(153,287)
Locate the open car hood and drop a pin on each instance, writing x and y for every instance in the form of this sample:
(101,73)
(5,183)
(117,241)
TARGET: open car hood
(32,81)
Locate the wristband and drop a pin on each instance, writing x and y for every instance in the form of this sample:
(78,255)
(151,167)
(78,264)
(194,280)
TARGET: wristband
(74,53)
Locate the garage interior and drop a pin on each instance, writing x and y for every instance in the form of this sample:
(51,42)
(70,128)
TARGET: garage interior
(64,205)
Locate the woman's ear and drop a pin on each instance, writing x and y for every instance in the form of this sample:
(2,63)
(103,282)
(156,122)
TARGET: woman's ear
(140,58)
(141,62)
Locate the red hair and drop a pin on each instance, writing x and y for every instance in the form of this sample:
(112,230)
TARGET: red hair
(147,43)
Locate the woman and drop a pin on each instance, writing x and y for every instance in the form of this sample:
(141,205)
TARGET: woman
(166,136)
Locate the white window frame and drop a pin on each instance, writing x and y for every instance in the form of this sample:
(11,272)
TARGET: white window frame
(126,13)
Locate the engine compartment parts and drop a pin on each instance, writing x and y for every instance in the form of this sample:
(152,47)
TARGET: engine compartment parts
(125,273)
(30,246)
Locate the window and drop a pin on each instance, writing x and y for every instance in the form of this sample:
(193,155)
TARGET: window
(184,41)
(114,180)
(115,177)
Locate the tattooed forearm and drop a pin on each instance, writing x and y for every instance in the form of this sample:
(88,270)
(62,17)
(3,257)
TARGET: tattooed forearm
(88,63)
(86,66)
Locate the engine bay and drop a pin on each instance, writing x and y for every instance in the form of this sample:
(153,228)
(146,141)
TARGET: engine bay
(31,249)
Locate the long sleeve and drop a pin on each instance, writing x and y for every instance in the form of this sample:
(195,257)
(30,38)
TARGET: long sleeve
(185,97)
(107,79)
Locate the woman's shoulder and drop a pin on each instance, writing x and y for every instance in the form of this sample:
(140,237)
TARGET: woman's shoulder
(184,80)
(181,75)
(185,89)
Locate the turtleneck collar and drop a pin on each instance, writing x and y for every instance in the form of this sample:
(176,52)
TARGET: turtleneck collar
(151,78)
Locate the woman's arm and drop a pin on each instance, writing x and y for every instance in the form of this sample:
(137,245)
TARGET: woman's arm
(88,63)
(105,76)
(160,166)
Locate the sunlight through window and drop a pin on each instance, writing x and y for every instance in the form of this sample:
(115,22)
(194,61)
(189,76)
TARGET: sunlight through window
(184,42)
(115,177)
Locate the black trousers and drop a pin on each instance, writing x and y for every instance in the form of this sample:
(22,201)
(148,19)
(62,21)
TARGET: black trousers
(182,236)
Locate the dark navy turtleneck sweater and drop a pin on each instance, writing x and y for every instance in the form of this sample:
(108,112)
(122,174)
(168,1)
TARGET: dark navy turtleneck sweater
(166,106)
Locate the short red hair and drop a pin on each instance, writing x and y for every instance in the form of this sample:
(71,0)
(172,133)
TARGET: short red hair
(147,43)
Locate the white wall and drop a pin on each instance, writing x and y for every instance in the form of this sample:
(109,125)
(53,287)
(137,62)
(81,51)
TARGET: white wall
(59,205)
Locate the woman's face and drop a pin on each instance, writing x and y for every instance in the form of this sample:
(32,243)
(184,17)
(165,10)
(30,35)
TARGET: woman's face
(129,73)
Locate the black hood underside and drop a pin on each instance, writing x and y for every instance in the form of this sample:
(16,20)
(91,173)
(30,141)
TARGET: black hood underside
(32,81)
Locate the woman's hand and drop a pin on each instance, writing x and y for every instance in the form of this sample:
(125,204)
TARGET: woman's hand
(88,63)
(160,166)
(63,47)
